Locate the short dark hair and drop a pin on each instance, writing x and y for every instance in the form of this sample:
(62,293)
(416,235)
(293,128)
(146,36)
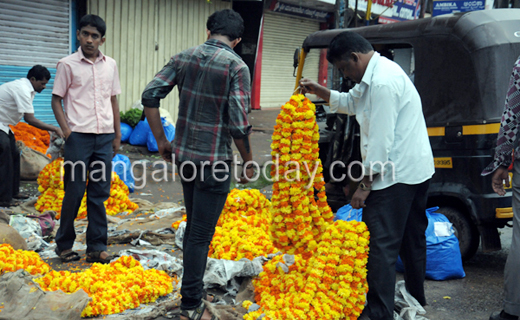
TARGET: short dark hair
(93,21)
(344,44)
(226,22)
(39,72)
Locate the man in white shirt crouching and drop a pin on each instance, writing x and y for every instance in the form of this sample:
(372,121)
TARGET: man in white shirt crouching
(398,163)
(16,102)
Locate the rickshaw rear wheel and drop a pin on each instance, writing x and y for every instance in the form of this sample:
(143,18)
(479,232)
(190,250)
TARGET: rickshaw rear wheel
(465,231)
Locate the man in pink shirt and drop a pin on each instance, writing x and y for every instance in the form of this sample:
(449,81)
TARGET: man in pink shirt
(87,82)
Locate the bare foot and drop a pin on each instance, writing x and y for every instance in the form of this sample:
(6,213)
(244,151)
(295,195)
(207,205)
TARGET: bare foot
(103,255)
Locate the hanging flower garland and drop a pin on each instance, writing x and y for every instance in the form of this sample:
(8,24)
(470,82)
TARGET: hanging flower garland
(330,285)
(52,188)
(12,260)
(115,287)
(298,219)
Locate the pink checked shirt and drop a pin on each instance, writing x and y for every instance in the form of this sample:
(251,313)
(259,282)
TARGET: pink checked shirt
(86,88)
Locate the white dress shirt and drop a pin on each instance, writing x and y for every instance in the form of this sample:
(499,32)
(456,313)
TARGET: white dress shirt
(393,130)
(16,98)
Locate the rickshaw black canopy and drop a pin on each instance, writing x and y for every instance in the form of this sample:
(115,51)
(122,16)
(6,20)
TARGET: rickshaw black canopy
(463,61)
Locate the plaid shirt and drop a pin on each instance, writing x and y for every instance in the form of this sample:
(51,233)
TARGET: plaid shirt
(508,134)
(214,93)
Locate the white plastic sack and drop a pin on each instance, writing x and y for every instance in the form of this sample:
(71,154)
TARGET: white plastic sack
(179,234)
(25,226)
(166,212)
(154,259)
(409,308)
(30,230)
(224,273)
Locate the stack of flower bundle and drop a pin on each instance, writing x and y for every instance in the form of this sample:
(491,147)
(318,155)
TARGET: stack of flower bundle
(52,192)
(32,137)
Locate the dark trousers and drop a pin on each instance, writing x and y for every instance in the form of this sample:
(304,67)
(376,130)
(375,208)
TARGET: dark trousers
(9,167)
(204,201)
(95,152)
(397,222)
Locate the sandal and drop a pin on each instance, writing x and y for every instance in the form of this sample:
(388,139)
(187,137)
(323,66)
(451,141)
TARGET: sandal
(95,256)
(196,314)
(67,257)
(21,196)
(215,298)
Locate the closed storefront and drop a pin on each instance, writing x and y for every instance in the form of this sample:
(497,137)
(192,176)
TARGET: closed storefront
(282,35)
(34,32)
(142,35)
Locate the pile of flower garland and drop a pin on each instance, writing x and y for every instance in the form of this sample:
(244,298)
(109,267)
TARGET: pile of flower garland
(242,230)
(115,287)
(52,193)
(298,219)
(12,260)
(243,227)
(329,285)
(32,137)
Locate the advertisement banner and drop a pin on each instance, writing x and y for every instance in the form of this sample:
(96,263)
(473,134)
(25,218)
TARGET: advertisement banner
(441,7)
(402,10)
(301,11)
(378,6)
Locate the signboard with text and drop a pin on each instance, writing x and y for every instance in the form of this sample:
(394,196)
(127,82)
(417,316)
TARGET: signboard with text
(441,7)
(301,11)
(402,10)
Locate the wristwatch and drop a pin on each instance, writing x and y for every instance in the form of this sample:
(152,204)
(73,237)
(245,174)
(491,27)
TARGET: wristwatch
(364,187)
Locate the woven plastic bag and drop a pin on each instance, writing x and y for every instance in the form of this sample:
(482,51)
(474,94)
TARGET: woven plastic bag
(23,299)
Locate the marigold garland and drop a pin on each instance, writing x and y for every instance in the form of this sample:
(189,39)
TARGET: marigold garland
(243,227)
(242,230)
(175,224)
(298,218)
(115,287)
(327,279)
(32,137)
(329,285)
(12,260)
(52,189)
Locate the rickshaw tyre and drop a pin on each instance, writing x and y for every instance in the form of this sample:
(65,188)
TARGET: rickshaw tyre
(465,230)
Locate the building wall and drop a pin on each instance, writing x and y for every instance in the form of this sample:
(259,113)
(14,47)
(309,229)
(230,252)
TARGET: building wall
(142,35)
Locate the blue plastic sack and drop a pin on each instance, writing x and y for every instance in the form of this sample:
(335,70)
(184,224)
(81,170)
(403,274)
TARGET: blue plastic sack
(126,131)
(123,167)
(443,259)
(169,131)
(348,213)
(140,133)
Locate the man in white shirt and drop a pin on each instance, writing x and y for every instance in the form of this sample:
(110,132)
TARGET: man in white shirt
(16,102)
(397,162)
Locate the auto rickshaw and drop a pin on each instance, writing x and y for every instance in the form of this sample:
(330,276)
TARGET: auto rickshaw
(461,65)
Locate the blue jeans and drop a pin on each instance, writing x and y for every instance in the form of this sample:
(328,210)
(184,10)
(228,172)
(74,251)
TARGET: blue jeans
(204,198)
(86,148)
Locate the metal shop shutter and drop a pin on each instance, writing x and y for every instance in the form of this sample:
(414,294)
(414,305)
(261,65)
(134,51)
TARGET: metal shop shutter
(34,32)
(282,35)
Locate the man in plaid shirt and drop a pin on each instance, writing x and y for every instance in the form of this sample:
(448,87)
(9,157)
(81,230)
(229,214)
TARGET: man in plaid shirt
(214,94)
(507,142)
